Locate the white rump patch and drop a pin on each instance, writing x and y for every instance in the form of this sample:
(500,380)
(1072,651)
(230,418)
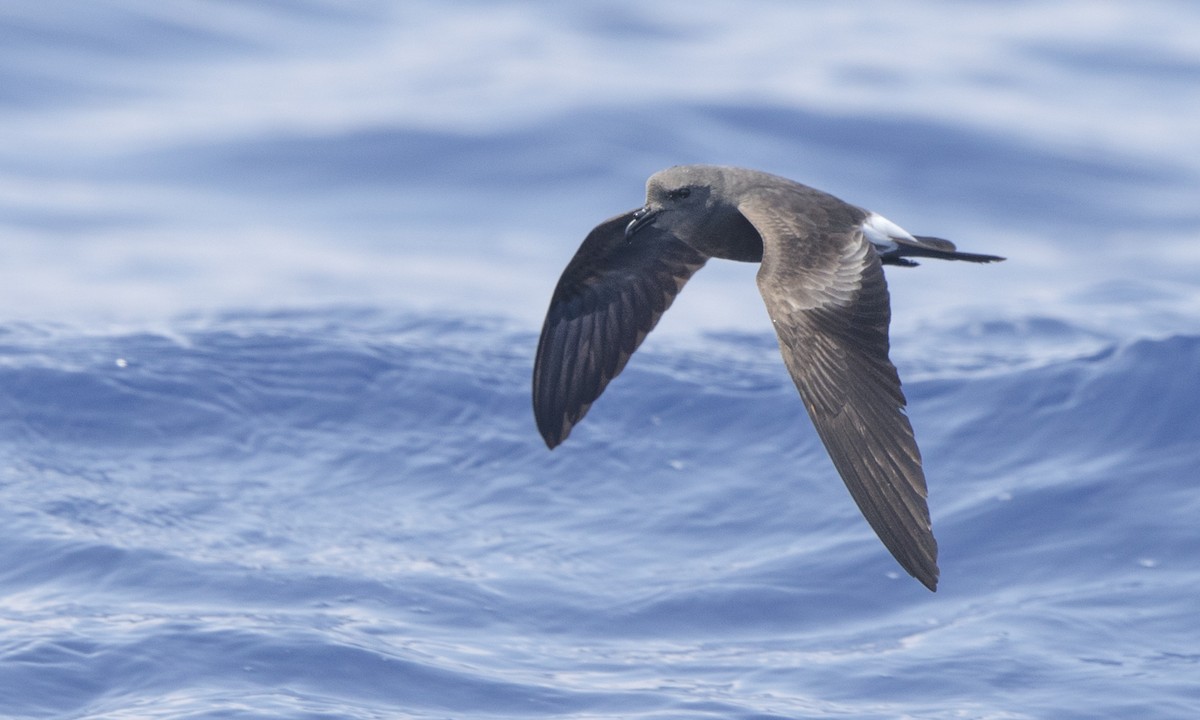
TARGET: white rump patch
(883,233)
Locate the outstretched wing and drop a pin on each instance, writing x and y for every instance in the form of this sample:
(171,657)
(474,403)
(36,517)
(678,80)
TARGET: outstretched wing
(610,296)
(827,297)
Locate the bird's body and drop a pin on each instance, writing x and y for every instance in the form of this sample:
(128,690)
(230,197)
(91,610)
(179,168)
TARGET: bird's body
(822,281)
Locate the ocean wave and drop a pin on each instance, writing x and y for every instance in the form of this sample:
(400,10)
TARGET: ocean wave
(355,506)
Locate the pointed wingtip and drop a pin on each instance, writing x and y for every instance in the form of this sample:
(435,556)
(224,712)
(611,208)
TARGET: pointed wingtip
(925,570)
(551,435)
(552,441)
(924,567)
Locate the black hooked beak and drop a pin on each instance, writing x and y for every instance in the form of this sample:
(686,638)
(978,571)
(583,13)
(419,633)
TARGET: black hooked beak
(641,219)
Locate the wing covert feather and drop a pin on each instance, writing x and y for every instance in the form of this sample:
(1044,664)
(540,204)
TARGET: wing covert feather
(828,299)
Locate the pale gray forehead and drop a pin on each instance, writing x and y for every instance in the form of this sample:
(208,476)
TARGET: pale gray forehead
(685,176)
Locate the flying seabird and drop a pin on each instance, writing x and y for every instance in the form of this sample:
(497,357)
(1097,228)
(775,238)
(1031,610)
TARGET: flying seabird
(822,281)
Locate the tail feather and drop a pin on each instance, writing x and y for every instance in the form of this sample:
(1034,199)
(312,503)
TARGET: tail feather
(936,242)
(931,247)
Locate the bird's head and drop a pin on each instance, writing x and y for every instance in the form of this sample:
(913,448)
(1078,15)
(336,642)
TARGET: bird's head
(682,200)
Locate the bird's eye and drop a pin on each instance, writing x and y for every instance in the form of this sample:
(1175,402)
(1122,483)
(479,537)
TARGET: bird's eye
(679,194)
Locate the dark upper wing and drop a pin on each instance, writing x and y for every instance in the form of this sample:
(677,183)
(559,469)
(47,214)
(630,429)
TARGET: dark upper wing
(828,299)
(609,297)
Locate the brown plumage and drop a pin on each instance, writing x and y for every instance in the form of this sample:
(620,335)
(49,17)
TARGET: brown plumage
(823,284)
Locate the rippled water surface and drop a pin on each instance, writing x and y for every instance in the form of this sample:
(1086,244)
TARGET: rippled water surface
(273,275)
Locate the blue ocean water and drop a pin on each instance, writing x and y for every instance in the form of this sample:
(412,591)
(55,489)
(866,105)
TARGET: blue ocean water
(273,276)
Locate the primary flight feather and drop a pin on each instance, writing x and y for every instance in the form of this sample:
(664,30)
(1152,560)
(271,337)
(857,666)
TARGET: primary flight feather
(822,280)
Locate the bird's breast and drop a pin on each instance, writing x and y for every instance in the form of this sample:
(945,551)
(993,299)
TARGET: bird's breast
(730,237)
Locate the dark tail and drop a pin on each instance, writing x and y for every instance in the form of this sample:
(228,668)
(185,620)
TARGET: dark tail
(930,247)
